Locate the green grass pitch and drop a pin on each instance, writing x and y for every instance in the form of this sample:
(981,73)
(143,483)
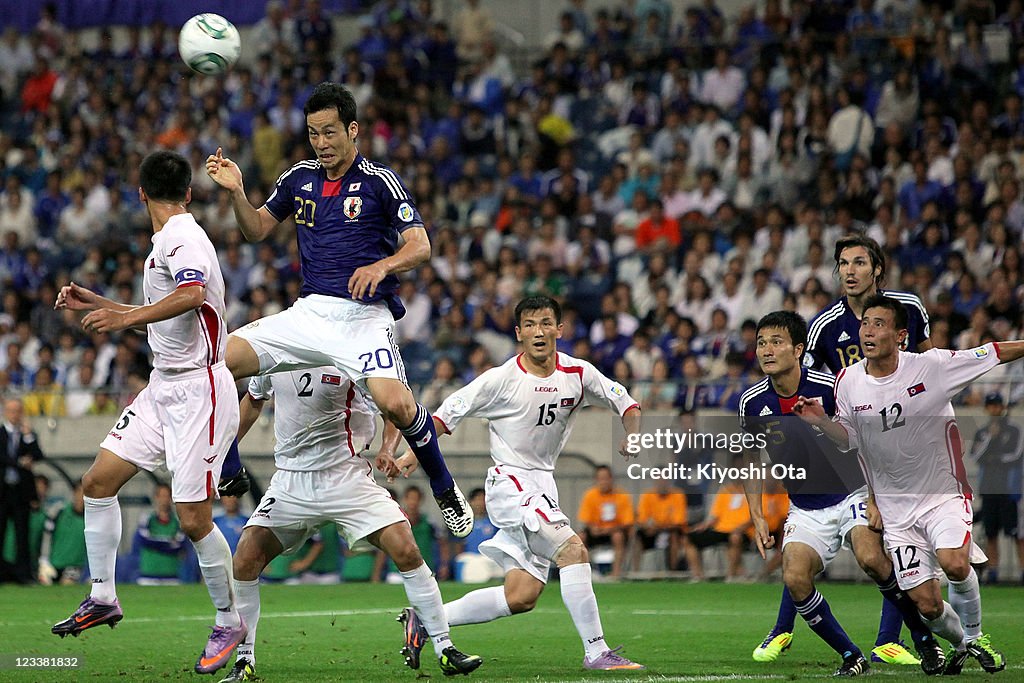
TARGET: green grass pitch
(682,632)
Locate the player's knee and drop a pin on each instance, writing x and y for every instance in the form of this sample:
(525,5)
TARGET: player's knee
(572,552)
(521,601)
(929,606)
(92,486)
(406,556)
(873,563)
(800,585)
(957,568)
(736,539)
(248,563)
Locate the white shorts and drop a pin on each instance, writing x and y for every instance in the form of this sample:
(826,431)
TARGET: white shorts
(523,504)
(913,549)
(827,530)
(358,339)
(297,503)
(185,421)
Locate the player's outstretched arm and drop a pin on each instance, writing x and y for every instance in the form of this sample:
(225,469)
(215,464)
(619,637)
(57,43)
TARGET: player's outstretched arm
(814,414)
(753,489)
(412,253)
(181,300)
(254,223)
(249,410)
(1010,351)
(631,423)
(385,460)
(77,298)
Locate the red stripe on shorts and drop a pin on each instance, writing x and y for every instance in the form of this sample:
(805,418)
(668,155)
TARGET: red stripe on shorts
(213,400)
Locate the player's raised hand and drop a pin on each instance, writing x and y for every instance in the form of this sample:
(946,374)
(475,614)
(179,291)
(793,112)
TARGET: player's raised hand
(763,537)
(104,320)
(365,279)
(406,465)
(810,410)
(385,462)
(76,298)
(224,171)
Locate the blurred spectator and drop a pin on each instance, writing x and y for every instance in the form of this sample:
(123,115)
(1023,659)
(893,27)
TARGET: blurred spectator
(19,451)
(159,541)
(472,27)
(606,517)
(231,520)
(433,544)
(727,523)
(660,522)
(998,448)
(62,556)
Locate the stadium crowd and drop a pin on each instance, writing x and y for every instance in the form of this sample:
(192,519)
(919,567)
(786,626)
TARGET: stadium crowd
(669,176)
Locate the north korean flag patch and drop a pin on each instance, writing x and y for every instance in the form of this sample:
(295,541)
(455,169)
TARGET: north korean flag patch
(567,402)
(331,379)
(916,389)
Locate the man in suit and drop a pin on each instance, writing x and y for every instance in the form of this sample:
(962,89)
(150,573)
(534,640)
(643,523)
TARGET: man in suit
(19,450)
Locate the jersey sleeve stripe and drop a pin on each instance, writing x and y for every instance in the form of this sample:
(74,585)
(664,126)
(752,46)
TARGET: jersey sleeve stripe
(387,176)
(910,299)
(821,321)
(311,164)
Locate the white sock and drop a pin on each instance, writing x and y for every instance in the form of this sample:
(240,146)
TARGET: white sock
(214,555)
(947,626)
(102,536)
(965,598)
(247,600)
(425,598)
(477,607)
(578,596)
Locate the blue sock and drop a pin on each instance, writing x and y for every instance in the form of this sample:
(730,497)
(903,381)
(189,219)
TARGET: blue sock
(423,440)
(787,613)
(897,609)
(818,615)
(232,462)
(890,624)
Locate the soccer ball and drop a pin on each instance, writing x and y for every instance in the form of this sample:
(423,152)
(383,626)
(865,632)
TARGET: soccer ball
(209,44)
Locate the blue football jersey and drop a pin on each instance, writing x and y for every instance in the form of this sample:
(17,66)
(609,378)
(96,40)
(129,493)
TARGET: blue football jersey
(345,224)
(831,475)
(833,338)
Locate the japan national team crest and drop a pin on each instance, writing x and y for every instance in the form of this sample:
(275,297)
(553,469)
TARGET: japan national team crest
(353,206)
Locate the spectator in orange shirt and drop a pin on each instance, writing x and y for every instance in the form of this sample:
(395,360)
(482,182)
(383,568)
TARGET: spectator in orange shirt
(658,233)
(606,516)
(660,521)
(728,522)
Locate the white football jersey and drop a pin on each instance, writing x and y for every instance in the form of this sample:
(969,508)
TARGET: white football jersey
(530,417)
(320,418)
(905,428)
(183,256)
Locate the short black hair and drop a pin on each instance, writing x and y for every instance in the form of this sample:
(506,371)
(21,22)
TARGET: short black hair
(786,320)
(899,311)
(165,176)
(602,467)
(871,246)
(475,492)
(329,95)
(537,303)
